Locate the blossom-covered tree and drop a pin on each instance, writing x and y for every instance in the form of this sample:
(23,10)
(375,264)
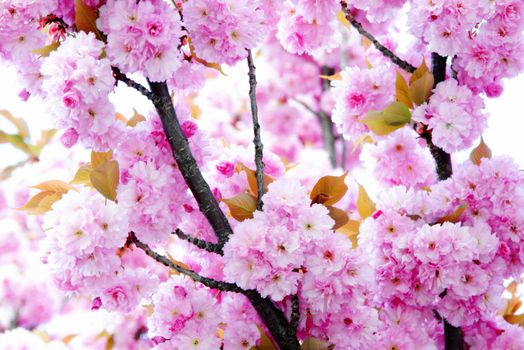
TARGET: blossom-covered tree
(193,237)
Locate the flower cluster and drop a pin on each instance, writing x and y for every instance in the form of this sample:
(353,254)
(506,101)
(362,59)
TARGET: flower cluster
(185,316)
(307,27)
(290,248)
(142,36)
(360,91)
(496,51)
(77,82)
(454,116)
(399,159)
(222,30)
(445,26)
(378,10)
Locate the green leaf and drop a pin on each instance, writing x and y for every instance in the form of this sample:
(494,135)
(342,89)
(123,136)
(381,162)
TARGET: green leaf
(375,122)
(397,114)
(46,50)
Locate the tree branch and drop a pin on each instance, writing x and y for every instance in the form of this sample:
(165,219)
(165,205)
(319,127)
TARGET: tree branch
(257,140)
(272,317)
(208,246)
(187,163)
(208,282)
(276,322)
(328,137)
(442,159)
(452,335)
(295,314)
(385,51)
(119,76)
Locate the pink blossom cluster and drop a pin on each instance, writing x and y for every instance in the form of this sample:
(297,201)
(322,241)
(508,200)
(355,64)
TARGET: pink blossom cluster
(378,10)
(495,51)
(496,334)
(446,26)
(83,235)
(360,91)
(77,82)
(290,248)
(142,36)
(309,26)
(186,316)
(20,34)
(454,116)
(152,193)
(455,268)
(401,159)
(222,30)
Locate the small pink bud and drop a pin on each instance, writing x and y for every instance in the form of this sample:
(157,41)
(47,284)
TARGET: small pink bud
(69,138)
(96,303)
(226,168)
(189,128)
(24,95)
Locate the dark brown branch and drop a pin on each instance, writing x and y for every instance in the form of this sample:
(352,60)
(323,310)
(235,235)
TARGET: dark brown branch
(384,50)
(276,322)
(119,76)
(257,140)
(205,245)
(187,163)
(452,335)
(208,282)
(295,314)
(442,159)
(272,317)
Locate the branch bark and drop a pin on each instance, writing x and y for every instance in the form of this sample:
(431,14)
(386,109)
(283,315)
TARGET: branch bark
(205,245)
(187,163)
(272,317)
(442,159)
(384,50)
(452,335)
(208,282)
(328,136)
(257,140)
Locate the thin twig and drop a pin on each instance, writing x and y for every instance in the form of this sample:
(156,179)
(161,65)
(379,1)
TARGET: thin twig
(208,282)
(385,51)
(119,76)
(207,246)
(328,136)
(295,314)
(257,140)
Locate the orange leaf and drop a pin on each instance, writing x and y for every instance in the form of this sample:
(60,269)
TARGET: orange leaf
(420,90)
(85,18)
(351,230)
(455,216)
(41,202)
(481,151)
(419,72)
(242,206)
(135,119)
(252,179)
(329,190)
(56,186)
(339,216)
